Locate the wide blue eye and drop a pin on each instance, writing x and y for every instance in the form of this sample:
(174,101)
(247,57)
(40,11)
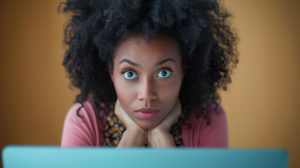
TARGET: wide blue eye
(129,75)
(164,73)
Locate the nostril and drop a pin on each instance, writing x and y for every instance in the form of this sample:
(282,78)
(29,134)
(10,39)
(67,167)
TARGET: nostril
(154,97)
(150,97)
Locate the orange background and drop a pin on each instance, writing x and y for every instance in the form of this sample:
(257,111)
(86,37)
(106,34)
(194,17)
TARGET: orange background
(262,103)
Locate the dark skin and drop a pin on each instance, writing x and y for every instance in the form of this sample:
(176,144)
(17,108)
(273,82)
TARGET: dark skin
(147,74)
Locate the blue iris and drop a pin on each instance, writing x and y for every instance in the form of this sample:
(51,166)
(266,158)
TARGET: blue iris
(129,75)
(164,73)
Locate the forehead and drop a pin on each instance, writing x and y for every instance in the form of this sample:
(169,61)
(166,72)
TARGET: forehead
(137,47)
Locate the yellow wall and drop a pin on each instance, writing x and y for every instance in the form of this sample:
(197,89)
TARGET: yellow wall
(262,103)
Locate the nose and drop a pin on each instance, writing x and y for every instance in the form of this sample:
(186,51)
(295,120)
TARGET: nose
(147,92)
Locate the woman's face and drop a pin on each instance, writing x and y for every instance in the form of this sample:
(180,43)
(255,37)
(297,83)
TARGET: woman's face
(147,74)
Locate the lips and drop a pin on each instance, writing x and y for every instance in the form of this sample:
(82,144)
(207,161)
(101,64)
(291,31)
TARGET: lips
(146,113)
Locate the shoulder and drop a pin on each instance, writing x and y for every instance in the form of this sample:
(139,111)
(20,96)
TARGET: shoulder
(81,112)
(80,126)
(208,131)
(215,115)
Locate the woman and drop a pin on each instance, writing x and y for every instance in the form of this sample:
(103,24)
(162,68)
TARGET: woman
(148,72)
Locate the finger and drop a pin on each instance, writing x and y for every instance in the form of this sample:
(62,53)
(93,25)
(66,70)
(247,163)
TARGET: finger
(118,109)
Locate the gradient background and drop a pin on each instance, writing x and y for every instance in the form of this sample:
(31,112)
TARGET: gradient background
(262,103)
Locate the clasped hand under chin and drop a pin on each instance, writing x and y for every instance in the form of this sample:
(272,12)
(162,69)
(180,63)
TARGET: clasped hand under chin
(159,136)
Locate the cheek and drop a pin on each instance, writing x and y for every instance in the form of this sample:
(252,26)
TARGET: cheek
(170,89)
(169,95)
(125,94)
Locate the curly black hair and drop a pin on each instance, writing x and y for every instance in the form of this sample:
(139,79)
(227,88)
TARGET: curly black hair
(202,29)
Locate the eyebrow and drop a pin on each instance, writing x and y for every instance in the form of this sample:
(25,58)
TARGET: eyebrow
(135,64)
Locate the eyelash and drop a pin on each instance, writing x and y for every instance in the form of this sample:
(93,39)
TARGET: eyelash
(126,70)
(130,69)
(165,68)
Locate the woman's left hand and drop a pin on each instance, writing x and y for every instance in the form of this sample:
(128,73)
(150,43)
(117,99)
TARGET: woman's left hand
(160,135)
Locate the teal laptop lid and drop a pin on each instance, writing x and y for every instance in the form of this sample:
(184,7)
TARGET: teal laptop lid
(57,157)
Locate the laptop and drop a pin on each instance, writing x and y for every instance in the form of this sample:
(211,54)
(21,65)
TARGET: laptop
(57,157)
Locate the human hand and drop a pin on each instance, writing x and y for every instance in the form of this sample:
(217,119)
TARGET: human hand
(134,136)
(166,124)
(125,118)
(160,135)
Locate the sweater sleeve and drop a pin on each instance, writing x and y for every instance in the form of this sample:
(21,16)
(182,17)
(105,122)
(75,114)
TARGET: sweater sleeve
(204,135)
(215,134)
(80,130)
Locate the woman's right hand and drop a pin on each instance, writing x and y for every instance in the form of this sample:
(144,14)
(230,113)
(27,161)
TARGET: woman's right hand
(125,118)
(134,134)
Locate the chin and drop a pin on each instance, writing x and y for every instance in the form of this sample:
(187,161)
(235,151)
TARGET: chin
(146,125)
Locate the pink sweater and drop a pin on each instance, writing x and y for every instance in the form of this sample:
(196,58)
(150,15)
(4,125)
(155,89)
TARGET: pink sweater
(85,132)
